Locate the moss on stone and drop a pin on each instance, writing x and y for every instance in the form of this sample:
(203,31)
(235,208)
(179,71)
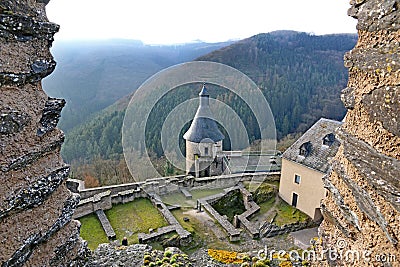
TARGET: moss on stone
(264,193)
(230,205)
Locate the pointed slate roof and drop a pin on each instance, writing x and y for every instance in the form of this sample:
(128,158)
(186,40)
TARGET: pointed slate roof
(318,154)
(204,91)
(203,127)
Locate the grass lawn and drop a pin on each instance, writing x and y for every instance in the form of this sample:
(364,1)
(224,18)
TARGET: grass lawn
(287,214)
(192,225)
(134,217)
(92,231)
(266,205)
(197,193)
(179,199)
(202,236)
(247,184)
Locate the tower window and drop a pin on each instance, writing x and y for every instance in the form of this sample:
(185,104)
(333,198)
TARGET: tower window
(206,151)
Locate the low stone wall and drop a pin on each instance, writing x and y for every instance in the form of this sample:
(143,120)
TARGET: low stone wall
(234,233)
(104,201)
(239,220)
(207,202)
(105,223)
(230,180)
(114,189)
(101,201)
(143,237)
(165,185)
(186,193)
(102,198)
(212,199)
(124,193)
(243,222)
(128,196)
(174,225)
(270,229)
(251,208)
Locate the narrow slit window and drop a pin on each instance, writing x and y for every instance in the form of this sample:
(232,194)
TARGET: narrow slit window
(297,178)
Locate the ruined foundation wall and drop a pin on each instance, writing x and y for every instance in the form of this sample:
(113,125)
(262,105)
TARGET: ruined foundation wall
(35,205)
(362,211)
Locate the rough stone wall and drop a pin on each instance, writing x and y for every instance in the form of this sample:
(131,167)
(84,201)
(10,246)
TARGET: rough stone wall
(35,205)
(362,210)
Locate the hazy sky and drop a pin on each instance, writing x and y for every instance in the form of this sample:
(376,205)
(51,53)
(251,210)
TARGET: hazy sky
(177,21)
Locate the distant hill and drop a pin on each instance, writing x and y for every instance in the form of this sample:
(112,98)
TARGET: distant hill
(301,76)
(93,75)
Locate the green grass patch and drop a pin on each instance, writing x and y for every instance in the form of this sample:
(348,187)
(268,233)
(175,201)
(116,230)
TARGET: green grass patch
(200,193)
(179,199)
(194,227)
(276,183)
(266,205)
(264,193)
(92,231)
(255,185)
(134,217)
(202,235)
(287,214)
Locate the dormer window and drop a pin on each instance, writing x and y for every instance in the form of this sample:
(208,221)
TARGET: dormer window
(328,139)
(305,149)
(206,151)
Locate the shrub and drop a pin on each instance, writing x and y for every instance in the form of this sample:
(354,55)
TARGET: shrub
(224,256)
(285,264)
(167,253)
(260,264)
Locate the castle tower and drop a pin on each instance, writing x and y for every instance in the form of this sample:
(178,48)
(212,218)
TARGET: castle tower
(203,140)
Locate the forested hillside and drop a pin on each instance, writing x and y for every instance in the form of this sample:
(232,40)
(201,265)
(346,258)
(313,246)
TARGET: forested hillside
(101,136)
(301,76)
(92,75)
